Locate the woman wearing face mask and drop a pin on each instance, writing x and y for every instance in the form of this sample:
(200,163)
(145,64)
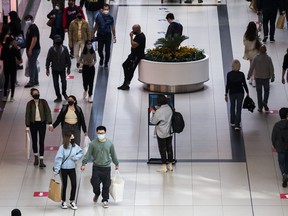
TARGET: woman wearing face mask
(72,119)
(38,114)
(56,15)
(88,59)
(10,55)
(65,163)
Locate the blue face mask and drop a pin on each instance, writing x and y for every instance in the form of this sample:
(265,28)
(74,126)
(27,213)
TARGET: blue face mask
(101,136)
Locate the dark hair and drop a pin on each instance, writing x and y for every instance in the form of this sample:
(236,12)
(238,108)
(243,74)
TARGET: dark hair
(106,5)
(85,50)
(66,139)
(161,100)
(33,89)
(283,112)
(101,128)
(13,15)
(170,16)
(28,17)
(74,98)
(251,33)
(15,212)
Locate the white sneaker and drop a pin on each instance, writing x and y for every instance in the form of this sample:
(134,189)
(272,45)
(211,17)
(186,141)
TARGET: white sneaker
(219,1)
(4,99)
(170,167)
(12,99)
(84,94)
(90,99)
(64,205)
(163,168)
(105,204)
(73,206)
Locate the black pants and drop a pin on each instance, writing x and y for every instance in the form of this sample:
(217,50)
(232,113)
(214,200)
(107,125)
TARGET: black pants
(10,76)
(101,175)
(64,176)
(269,16)
(73,129)
(62,75)
(35,128)
(104,40)
(165,149)
(88,74)
(129,67)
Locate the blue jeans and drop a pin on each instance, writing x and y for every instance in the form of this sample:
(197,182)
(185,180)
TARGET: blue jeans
(283,162)
(32,64)
(265,84)
(236,101)
(91,16)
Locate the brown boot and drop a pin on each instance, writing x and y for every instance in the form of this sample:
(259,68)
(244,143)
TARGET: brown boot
(36,160)
(42,165)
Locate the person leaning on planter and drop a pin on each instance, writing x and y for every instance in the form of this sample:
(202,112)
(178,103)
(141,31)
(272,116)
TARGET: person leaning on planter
(138,44)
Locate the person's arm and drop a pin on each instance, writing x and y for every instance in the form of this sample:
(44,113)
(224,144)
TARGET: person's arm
(27,114)
(33,43)
(227,87)
(274,136)
(271,69)
(60,117)
(284,67)
(245,84)
(48,59)
(134,44)
(84,128)
(67,60)
(70,33)
(114,155)
(58,159)
(113,33)
(87,156)
(78,155)
(47,111)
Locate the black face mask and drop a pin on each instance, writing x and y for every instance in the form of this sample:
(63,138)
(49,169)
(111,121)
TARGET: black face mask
(70,103)
(72,141)
(135,33)
(58,43)
(79,17)
(70,4)
(36,96)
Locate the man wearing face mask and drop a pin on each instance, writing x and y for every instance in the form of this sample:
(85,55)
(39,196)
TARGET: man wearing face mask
(138,42)
(104,26)
(56,15)
(38,114)
(59,60)
(103,153)
(78,33)
(60,3)
(32,50)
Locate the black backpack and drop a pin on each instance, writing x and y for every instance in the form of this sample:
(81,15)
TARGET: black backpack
(177,121)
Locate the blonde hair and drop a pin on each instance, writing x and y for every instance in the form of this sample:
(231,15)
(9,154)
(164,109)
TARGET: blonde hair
(236,65)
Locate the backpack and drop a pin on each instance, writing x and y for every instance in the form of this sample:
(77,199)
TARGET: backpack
(177,121)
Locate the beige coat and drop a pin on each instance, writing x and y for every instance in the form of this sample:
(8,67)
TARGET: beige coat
(250,50)
(73,32)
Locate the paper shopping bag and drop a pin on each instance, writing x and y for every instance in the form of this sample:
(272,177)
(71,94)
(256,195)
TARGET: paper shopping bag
(54,191)
(280,22)
(116,189)
(28,145)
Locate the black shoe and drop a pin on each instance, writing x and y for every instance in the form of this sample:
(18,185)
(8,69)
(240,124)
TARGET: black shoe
(272,40)
(36,84)
(188,1)
(200,1)
(259,110)
(264,39)
(29,85)
(101,62)
(266,108)
(42,165)
(106,65)
(36,160)
(284,180)
(58,100)
(19,67)
(65,96)
(77,65)
(124,87)
(95,199)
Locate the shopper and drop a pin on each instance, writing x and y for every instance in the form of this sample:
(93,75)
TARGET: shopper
(38,114)
(103,153)
(285,67)
(174,28)
(65,163)
(56,15)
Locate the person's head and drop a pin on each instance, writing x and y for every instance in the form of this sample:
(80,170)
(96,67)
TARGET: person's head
(57,7)
(283,113)
(16,212)
(79,15)
(236,65)
(101,133)
(88,47)
(161,100)
(106,9)
(68,138)
(71,3)
(263,49)
(170,17)
(72,100)
(136,29)
(251,31)
(28,19)
(35,93)
(57,40)
(13,15)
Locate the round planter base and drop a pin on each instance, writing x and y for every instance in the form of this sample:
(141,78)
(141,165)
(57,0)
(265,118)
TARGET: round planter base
(174,88)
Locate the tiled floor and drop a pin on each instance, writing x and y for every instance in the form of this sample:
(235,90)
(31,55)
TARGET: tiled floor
(206,180)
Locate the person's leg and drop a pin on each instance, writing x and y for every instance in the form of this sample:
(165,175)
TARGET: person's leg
(91,76)
(106,182)
(63,82)
(259,94)
(273,17)
(239,101)
(232,98)
(100,48)
(107,48)
(95,181)
(169,148)
(12,82)
(34,131)
(42,132)
(72,176)
(63,174)
(91,19)
(85,77)
(282,165)
(77,134)
(55,76)
(266,85)
(162,149)
(265,26)
(33,66)
(76,49)
(6,82)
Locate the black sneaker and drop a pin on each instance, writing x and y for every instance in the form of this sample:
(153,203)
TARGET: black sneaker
(272,40)
(95,199)
(264,39)
(101,62)
(29,85)
(123,87)
(200,1)
(65,96)
(266,108)
(188,1)
(58,100)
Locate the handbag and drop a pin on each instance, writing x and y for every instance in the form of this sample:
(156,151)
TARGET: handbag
(50,22)
(116,189)
(54,191)
(280,22)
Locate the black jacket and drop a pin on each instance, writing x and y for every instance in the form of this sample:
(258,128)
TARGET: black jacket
(249,104)
(280,136)
(92,5)
(80,118)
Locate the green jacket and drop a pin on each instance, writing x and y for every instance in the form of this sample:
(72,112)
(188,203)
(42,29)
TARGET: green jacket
(103,153)
(44,110)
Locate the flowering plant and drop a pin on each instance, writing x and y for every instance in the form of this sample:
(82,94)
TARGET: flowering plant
(169,50)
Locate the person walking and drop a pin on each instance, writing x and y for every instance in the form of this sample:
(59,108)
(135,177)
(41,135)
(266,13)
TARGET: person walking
(32,50)
(138,43)
(38,114)
(57,16)
(103,153)
(285,67)
(59,60)
(161,117)
(105,28)
(11,57)
(174,28)
(65,163)
(78,33)
(88,59)
(235,86)
(251,45)
(72,120)
(263,69)
(280,143)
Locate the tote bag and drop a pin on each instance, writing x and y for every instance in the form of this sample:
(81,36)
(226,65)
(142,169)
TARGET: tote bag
(54,191)
(280,22)
(28,145)
(116,189)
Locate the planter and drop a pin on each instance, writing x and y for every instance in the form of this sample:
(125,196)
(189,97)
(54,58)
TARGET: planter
(174,77)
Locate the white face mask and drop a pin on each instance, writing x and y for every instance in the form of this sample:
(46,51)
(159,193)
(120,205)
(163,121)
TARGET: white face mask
(106,12)
(57,8)
(101,136)
(28,22)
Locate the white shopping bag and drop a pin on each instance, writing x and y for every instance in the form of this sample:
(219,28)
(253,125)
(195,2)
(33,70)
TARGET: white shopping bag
(86,144)
(28,145)
(116,189)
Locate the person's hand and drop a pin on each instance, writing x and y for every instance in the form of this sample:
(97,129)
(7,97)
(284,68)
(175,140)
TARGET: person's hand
(27,129)
(55,174)
(51,128)
(114,39)
(47,72)
(68,71)
(283,80)
(52,16)
(82,168)
(226,98)
(29,53)
(131,34)
(117,167)
(272,79)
